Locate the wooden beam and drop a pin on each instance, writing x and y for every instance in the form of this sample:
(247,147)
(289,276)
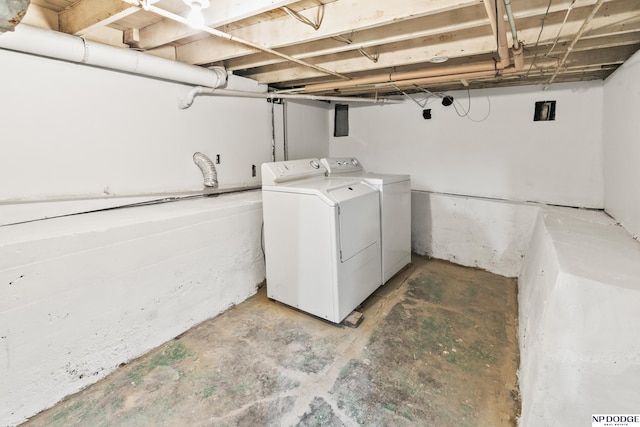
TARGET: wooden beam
(454,21)
(339,18)
(86,15)
(41,17)
(219,14)
(478,41)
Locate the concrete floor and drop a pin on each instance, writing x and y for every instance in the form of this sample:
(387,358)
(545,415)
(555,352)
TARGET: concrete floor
(437,347)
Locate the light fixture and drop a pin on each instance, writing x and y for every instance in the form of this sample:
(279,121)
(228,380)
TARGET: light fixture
(195,17)
(438,59)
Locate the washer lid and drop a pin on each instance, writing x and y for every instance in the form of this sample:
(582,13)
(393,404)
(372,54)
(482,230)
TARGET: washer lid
(332,190)
(383,178)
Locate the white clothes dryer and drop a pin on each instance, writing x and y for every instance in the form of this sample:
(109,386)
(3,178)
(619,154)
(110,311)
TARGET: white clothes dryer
(322,238)
(395,210)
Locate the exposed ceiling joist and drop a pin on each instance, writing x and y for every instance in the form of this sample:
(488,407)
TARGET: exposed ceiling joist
(167,31)
(265,42)
(341,18)
(85,15)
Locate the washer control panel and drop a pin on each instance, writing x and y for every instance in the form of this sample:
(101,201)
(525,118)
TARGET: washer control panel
(290,170)
(341,164)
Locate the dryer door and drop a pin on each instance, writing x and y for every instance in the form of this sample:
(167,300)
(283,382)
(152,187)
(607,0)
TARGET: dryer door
(358,218)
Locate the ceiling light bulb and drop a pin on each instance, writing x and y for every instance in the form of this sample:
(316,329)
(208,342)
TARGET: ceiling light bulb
(439,59)
(195,17)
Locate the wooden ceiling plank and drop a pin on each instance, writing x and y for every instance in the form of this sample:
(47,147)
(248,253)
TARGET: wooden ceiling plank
(402,54)
(85,15)
(455,21)
(213,51)
(420,50)
(219,14)
(339,18)
(41,17)
(592,58)
(529,31)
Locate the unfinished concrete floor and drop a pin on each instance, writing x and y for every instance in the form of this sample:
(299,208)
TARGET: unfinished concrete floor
(437,347)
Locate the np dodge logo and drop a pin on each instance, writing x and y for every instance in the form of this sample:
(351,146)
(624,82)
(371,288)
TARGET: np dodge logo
(610,420)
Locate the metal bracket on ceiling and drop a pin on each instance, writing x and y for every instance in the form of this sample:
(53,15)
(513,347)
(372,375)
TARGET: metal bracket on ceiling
(372,57)
(297,15)
(342,39)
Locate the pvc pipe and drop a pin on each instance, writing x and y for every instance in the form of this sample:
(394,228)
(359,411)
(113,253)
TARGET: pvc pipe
(450,77)
(198,91)
(518,57)
(395,77)
(66,47)
(512,24)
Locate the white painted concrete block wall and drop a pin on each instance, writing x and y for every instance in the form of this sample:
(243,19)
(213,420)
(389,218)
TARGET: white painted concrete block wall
(79,295)
(621,148)
(507,156)
(307,129)
(84,131)
(578,298)
(488,234)
(578,351)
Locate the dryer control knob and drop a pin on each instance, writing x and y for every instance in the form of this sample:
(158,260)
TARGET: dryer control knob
(355,162)
(314,164)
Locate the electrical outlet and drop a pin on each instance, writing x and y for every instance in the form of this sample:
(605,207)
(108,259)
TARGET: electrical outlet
(253,170)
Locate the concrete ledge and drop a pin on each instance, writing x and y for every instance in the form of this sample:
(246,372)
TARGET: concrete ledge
(579,297)
(579,300)
(80,295)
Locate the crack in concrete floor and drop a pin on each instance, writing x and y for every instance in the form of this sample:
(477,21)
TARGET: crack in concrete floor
(438,346)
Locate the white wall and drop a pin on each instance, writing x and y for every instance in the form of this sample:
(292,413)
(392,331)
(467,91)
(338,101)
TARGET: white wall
(506,156)
(81,294)
(621,147)
(75,130)
(307,129)
(488,234)
(578,297)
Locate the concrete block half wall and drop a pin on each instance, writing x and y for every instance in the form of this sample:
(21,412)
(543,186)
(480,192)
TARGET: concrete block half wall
(579,292)
(79,295)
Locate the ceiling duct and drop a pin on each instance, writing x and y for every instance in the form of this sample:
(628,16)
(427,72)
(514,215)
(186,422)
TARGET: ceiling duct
(11,13)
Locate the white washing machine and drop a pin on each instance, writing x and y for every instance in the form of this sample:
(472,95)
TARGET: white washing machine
(322,238)
(395,210)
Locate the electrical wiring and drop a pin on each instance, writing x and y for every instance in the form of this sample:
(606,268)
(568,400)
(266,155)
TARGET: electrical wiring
(566,16)
(457,105)
(466,113)
(544,18)
(422,103)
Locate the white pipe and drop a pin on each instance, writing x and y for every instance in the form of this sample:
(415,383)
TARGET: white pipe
(512,24)
(66,47)
(197,91)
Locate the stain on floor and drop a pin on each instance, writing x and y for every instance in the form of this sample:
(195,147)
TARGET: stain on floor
(437,347)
